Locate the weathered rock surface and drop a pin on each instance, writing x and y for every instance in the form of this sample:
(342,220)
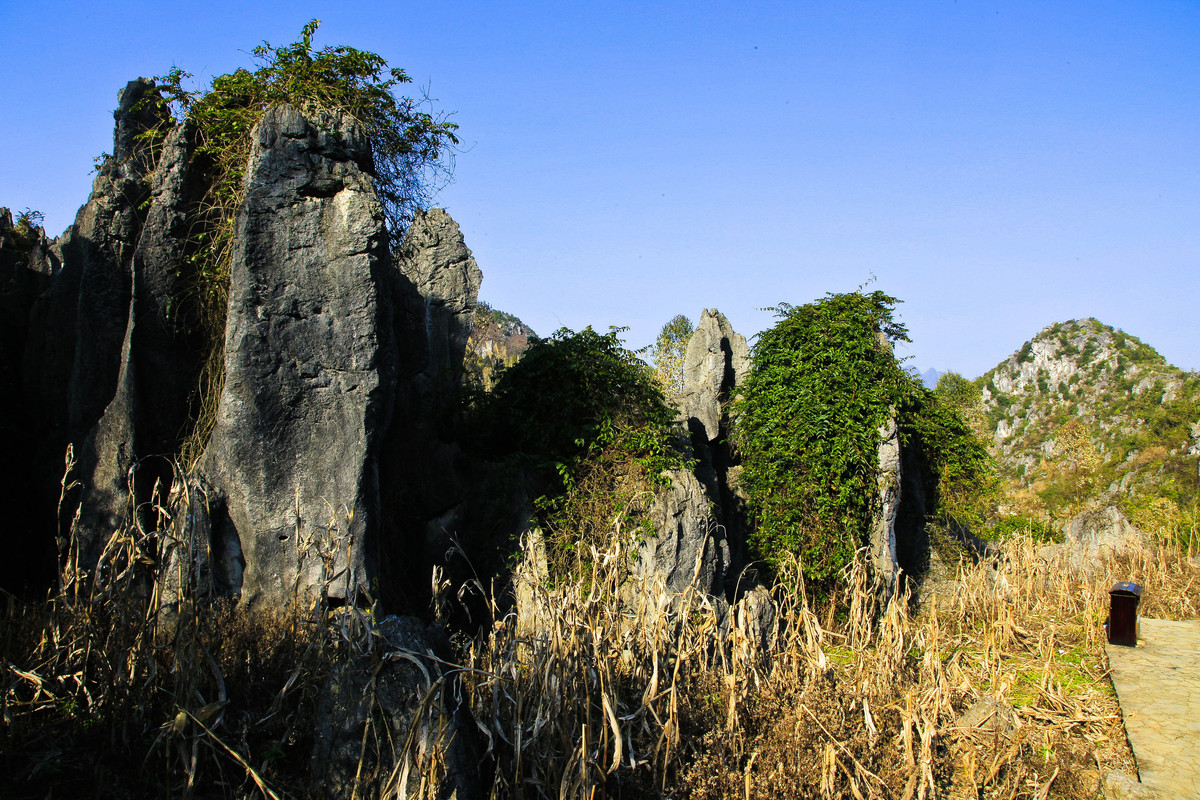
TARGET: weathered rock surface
(310,364)
(433,491)
(1097,533)
(436,260)
(716,361)
(324,338)
(159,366)
(884,554)
(701,516)
(689,550)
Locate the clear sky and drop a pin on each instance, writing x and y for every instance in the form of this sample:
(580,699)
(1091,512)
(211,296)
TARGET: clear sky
(996,166)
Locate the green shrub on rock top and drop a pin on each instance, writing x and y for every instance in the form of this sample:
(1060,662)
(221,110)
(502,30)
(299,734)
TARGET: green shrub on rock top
(406,140)
(807,422)
(408,145)
(807,427)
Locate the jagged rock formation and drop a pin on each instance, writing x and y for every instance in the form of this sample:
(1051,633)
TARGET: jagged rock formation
(429,483)
(99,358)
(446,279)
(700,518)
(326,333)
(309,366)
(717,359)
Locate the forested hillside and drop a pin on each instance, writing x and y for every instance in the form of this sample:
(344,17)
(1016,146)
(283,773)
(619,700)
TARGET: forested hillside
(497,339)
(1085,413)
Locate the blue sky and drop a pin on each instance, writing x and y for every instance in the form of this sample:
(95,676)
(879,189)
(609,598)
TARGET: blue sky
(996,166)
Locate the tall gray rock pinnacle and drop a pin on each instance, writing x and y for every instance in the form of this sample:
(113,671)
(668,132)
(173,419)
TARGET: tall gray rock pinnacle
(446,280)
(309,366)
(699,517)
(717,359)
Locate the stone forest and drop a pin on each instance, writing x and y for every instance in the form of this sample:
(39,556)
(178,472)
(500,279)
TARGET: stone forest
(290,512)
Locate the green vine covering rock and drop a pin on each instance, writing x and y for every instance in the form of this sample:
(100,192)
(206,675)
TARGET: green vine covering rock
(807,426)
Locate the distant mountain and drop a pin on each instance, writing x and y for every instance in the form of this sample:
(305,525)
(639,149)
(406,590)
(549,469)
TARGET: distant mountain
(497,339)
(1083,413)
(930,377)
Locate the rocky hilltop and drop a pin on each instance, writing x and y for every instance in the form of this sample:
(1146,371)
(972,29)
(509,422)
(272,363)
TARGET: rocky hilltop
(497,339)
(1087,414)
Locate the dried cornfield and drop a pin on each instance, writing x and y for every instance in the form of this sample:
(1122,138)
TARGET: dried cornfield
(993,685)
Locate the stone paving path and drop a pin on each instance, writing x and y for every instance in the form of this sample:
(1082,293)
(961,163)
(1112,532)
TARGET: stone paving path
(1158,687)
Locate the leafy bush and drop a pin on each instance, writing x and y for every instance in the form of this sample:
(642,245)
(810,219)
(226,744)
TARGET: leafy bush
(807,427)
(406,140)
(25,232)
(1026,353)
(960,475)
(807,422)
(957,392)
(1008,527)
(587,418)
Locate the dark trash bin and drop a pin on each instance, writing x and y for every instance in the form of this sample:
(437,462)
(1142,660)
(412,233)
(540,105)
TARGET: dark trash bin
(1122,615)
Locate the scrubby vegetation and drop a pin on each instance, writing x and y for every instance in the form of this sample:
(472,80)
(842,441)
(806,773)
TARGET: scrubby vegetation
(23,234)
(996,688)
(587,418)
(127,683)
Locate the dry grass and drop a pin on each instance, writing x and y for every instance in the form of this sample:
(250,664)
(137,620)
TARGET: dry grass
(995,687)
(133,681)
(675,696)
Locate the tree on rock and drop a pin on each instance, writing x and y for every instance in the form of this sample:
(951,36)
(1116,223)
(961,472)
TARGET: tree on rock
(807,424)
(669,351)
